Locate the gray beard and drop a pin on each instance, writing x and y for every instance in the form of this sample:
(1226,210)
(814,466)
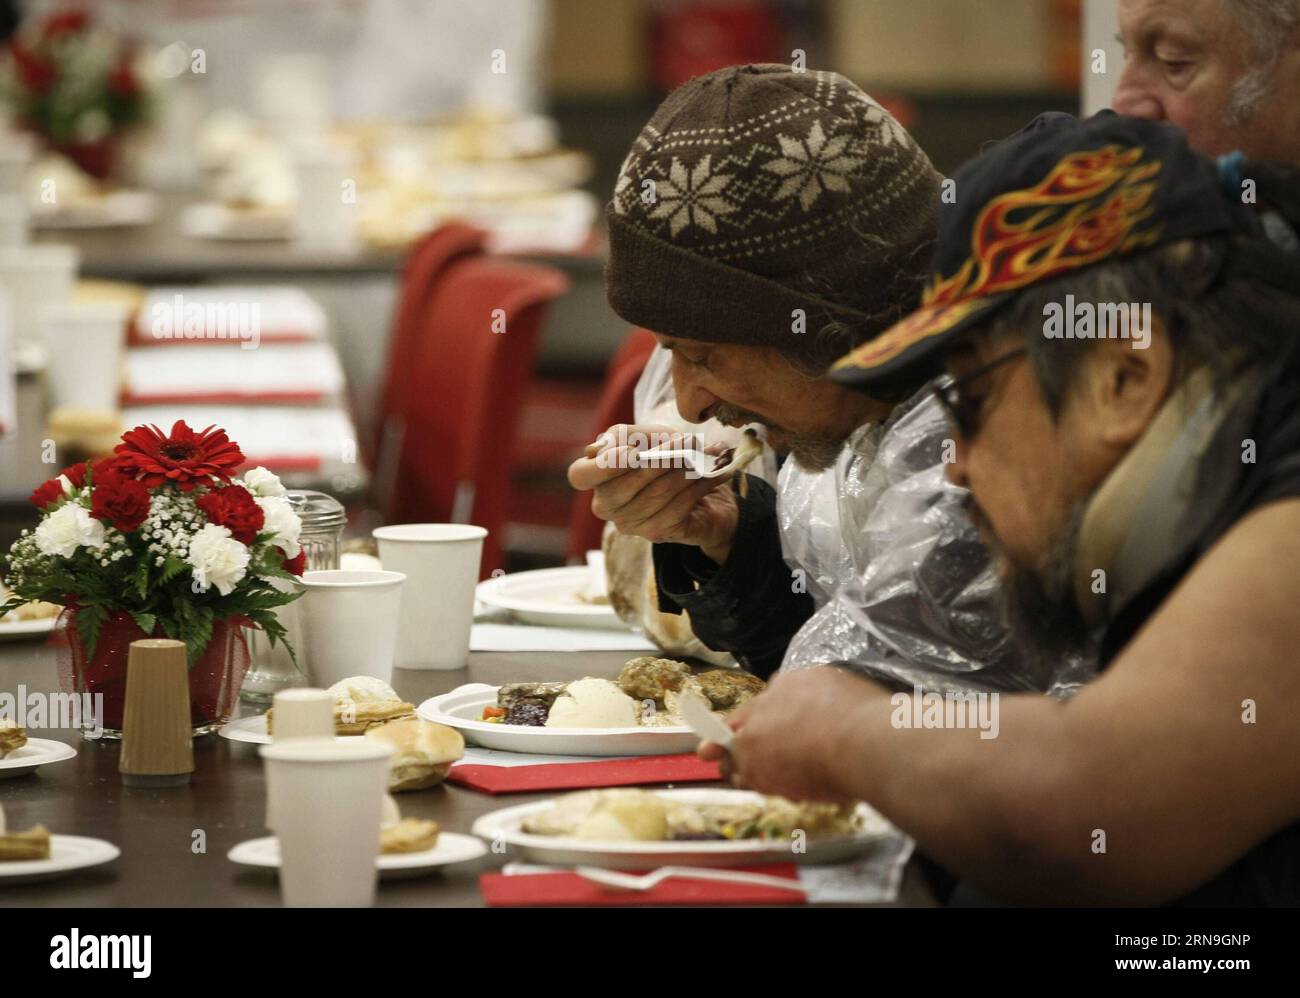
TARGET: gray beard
(812,452)
(1039,603)
(816,453)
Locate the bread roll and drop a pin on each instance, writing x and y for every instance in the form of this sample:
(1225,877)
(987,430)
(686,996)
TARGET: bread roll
(12,738)
(362,689)
(422,752)
(407,836)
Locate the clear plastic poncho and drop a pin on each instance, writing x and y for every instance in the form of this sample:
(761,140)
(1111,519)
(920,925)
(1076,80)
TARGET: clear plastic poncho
(903,587)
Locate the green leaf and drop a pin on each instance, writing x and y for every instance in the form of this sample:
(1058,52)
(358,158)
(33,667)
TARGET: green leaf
(145,621)
(195,627)
(90,619)
(172,567)
(275,631)
(142,577)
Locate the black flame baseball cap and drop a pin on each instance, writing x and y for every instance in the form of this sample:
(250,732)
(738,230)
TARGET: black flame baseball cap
(1060,195)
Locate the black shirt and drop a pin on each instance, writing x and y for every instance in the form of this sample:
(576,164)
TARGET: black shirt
(1228,489)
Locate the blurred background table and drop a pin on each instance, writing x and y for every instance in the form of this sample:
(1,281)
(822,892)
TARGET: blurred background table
(226,802)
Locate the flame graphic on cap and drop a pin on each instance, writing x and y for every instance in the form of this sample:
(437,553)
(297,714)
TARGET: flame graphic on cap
(1092,205)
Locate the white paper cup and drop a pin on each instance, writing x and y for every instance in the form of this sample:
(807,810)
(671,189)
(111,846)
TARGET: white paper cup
(14,220)
(86,343)
(299,713)
(303,713)
(349,623)
(441,565)
(327,205)
(327,798)
(36,276)
(16,154)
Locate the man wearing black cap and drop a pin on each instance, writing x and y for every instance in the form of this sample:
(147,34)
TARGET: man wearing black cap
(764,221)
(1138,469)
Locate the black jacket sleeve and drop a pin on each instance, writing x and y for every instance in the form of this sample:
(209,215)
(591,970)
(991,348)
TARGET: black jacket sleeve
(747,606)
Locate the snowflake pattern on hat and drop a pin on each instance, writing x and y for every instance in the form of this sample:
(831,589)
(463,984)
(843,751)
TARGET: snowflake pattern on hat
(760,201)
(823,156)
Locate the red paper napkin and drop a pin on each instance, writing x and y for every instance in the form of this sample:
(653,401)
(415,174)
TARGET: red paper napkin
(525,890)
(684,768)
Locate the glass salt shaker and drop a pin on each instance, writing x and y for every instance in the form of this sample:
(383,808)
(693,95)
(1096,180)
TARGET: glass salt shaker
(271,669)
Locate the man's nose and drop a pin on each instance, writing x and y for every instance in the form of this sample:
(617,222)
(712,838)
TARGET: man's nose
(693,399)
(1134,97)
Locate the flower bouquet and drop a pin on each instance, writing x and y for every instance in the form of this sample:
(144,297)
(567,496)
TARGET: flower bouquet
(74,84)
(160,540)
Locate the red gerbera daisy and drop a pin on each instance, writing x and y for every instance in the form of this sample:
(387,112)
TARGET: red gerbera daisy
(183,457)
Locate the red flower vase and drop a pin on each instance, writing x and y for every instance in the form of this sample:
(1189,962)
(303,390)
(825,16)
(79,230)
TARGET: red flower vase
(215,677)
(98,159)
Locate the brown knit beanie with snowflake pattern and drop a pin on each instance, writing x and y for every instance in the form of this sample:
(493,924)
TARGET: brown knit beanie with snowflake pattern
(759,194)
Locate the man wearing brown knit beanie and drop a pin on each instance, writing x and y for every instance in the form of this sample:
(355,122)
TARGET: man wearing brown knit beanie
(766,220)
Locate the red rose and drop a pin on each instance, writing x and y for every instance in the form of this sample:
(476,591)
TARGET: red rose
(119,500)
(68,22)
(234,508)
(122,79)
(76,473)
(36,73)
(295,565)
(52,491)
(45,495)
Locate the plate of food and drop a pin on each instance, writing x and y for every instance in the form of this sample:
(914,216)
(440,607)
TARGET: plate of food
(20,755)
(409,849)
(35,854)
(29,621)
(636,714)
(360,703)
(235,221)
(423,752)
(98,210)
(633,829)
(551,597)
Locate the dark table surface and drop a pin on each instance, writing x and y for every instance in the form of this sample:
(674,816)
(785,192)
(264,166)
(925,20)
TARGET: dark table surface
(161,252)
(156,829)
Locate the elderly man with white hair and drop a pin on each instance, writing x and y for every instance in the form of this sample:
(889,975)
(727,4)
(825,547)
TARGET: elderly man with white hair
(1227,72)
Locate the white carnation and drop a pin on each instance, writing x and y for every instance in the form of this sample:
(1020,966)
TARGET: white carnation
(217,558)
(261,482)
(69,527)
(282,523)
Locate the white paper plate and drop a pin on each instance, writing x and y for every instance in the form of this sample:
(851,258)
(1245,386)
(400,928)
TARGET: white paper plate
(549,597)
(463,706)
(451,848)
(253,731)
(18,630)
(505,826)
(213,220)
(37,752)
(246,729)
(67,853)
(120,208)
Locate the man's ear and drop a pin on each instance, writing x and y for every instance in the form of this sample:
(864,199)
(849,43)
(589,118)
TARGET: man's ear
(1126,385)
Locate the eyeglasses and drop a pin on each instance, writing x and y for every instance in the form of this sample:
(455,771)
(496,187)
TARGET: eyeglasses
(963,410)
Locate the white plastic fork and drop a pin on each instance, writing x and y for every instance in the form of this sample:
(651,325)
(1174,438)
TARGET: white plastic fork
(648,881)
(697,462)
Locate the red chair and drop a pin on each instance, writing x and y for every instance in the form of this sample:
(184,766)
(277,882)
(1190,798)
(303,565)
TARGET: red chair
(427,259)
(468,378)
(615,406)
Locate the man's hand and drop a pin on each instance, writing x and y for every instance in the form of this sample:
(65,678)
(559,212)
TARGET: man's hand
(663,505)
(791,739)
